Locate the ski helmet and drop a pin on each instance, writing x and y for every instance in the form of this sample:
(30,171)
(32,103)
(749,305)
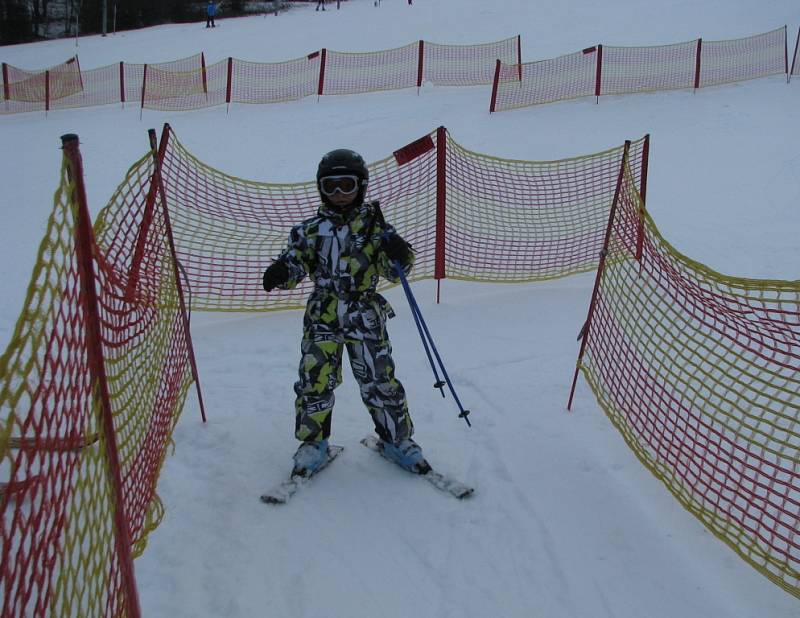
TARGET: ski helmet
(340,162)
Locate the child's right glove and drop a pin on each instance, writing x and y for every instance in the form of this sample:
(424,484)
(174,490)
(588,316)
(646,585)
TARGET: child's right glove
(276,274)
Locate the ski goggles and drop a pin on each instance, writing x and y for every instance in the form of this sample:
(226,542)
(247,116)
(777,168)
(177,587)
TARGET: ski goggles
(346,184)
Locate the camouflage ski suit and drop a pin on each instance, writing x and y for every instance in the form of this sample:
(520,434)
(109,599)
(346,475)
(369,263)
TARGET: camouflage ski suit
(345,310)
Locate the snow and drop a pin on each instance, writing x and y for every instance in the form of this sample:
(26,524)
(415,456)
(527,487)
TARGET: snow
(565,521)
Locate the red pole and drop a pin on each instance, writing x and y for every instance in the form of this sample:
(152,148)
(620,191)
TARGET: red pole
(439,271)
(84,242)
(598,74)
(144,88)
(519,57)
(158,157)
(122,83)
(494,86)
(786,52)
(794,58)
(46,91)
(80,75)
(229,87)
(321,73)
(203,69)
(643,193)
(6,85)
(698,55)
(420,63)
(587,325)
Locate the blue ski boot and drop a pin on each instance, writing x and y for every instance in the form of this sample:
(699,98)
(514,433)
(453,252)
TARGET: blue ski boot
(406,454)
(309,457)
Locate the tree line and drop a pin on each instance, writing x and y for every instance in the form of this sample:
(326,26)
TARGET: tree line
(30,20)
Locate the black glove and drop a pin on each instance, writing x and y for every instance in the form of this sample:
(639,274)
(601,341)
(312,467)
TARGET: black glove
(396,249)
(277,274)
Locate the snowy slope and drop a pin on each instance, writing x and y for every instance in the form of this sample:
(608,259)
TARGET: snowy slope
(565,521)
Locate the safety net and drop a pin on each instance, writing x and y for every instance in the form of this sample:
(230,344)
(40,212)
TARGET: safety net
(467,215)
(27,91)
(795,69)
(91,386)
(699,372)
(466,65)
(604,70)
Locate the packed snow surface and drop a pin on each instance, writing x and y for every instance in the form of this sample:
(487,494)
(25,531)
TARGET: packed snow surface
(565,521)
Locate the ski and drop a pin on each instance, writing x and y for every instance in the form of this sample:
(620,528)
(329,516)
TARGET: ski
(283,492)
(440,481)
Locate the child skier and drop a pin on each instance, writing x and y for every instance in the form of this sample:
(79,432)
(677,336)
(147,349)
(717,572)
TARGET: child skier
(345,248)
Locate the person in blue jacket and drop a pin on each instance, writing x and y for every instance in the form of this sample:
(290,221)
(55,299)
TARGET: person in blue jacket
(211,11)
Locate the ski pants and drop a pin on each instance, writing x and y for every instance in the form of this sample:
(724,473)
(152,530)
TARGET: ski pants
(329,326)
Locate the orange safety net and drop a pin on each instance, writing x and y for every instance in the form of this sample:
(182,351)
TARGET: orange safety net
(93,382)
(699,372)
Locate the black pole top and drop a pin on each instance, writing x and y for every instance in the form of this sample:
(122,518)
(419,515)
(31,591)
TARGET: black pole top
(68,137)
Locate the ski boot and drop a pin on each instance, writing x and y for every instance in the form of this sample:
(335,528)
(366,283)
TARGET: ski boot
(309,457)
(407,454)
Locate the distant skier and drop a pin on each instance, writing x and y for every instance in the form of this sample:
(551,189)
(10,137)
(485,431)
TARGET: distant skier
(345,249)
(211,11)
(320,3)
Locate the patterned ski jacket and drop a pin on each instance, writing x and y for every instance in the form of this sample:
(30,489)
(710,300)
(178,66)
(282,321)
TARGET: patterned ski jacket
(345,265)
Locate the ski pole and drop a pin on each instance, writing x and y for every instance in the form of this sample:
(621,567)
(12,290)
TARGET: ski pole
(421,322)
(417,320)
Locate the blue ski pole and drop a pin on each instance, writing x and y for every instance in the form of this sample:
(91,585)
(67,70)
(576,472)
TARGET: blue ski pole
(426,339)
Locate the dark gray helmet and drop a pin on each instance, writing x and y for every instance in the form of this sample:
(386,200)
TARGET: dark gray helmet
(342,161)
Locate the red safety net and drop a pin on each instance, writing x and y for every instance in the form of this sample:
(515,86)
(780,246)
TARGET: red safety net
(468,216)
(741,59)
(643,69)
(259,83)
(92,384)
(603,70)
(26,91)
(699,372)
(466,65)
(189,83)
(351,73)
(795,70)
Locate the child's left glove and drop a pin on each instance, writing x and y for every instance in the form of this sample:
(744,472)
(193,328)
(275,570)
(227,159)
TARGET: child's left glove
(396,249)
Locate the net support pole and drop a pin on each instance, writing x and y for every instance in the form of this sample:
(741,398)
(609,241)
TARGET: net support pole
(80,74)
(519,57)
(46,92)
(584,334)
(159,149)
(321,84)
(791,72)
(144,89)
(496,80)
(84,244)
(643,193)
(203,71)
(697,61)
(229,86)
(420,64)
(786,52)
(598,73)
(6,85)
(122,84)
(439,270)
